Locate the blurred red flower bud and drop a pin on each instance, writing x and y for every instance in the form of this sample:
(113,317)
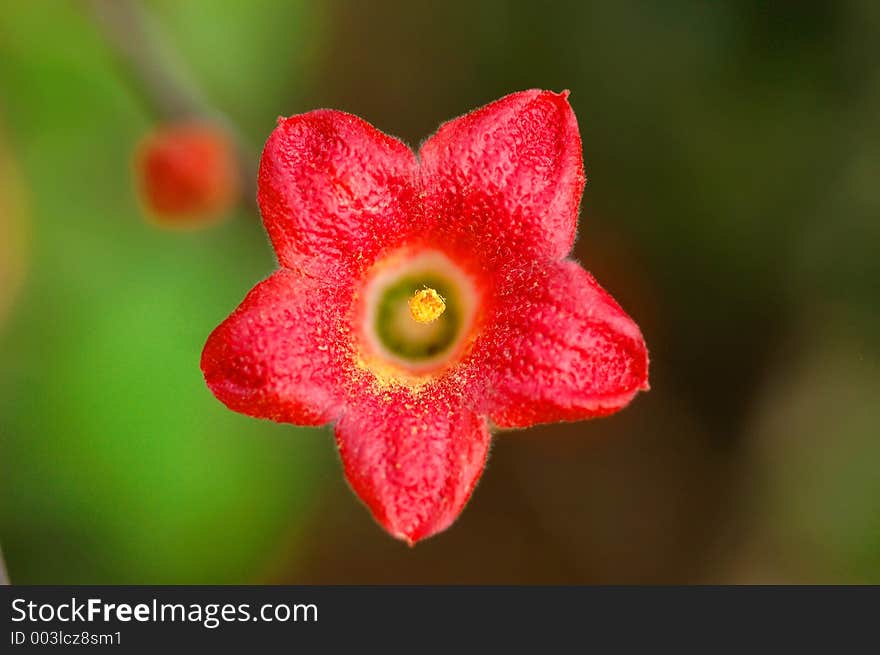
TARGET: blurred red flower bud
(186,174)
(13,228)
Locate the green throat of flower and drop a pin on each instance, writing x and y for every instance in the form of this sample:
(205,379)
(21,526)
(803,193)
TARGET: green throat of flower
(417,315)
(403,331)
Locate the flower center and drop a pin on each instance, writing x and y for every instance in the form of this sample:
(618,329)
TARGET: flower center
(417,311)
(426,305)
(410,324)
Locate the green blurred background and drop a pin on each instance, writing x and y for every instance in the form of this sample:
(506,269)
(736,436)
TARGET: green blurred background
(733,208)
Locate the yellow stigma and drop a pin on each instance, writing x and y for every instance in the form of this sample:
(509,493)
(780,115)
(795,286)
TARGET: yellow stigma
(426,306)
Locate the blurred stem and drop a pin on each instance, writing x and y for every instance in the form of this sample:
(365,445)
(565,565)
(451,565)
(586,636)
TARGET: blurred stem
(4,577)
(141,49)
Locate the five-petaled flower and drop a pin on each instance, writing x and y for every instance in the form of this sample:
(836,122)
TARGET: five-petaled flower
(421,298)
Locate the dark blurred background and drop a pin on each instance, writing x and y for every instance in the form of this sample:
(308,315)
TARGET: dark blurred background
(733,208)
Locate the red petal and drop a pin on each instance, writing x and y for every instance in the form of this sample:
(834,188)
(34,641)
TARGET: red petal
(279,354)
(413,458)
(507,179)
(568,352)
(334,190)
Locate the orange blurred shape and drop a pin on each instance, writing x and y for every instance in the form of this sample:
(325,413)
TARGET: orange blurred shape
(187,174)
(13,241)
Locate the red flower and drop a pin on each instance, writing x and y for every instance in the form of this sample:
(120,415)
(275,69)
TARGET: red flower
(186,173)
(420,298)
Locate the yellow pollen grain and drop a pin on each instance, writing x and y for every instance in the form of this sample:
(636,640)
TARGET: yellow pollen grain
(426,306)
